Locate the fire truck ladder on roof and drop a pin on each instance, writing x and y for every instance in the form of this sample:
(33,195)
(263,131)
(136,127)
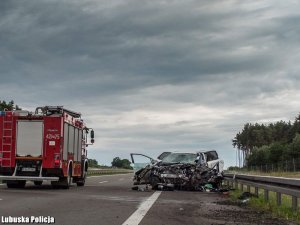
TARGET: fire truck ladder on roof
(57,109)
(7,139)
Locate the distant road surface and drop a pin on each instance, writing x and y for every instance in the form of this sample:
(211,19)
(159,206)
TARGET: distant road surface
(110,200)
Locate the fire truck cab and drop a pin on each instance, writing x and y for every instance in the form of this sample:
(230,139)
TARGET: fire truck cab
(47,145)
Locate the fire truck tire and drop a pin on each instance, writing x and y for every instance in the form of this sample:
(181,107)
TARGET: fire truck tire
(81,182)
(64,182)
(16,184)
(67,180)
(38,183)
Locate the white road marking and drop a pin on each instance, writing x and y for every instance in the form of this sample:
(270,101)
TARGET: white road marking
(121,179)
(2,184)
(1,199)
(109,175)
(101,182)
(141,212)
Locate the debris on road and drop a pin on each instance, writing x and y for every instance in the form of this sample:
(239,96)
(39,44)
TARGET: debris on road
(141,188)
(245,197)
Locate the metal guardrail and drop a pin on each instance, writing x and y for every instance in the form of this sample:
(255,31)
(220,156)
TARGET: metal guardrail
(279,185)
(108,171)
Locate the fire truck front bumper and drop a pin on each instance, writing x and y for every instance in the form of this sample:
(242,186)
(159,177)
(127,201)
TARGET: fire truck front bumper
(5,178)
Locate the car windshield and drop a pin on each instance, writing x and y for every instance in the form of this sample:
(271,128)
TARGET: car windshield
(180,158)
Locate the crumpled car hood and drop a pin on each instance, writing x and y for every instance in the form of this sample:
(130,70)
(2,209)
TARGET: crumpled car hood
(180,176)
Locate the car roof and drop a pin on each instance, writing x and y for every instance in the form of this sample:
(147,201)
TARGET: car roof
(195,152)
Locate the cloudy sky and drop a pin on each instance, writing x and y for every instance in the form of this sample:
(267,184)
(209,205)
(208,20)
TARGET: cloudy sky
(153,76)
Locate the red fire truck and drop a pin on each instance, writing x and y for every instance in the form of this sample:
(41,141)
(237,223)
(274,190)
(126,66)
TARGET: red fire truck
(48,145)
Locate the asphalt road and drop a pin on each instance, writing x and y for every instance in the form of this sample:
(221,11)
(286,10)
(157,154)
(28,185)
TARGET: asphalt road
(110,200)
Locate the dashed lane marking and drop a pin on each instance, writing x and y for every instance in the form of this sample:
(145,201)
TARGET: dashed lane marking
(102,182)
(109,175)
(141,212)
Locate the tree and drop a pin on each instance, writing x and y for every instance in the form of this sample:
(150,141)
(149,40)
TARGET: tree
(259,156)
(93,163)
(276,150)
(278,136)
(8,106)
(116,162)
(126,164)
(121,163)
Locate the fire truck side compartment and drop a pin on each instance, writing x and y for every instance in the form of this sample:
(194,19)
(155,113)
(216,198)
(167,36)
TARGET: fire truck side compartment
(30,138)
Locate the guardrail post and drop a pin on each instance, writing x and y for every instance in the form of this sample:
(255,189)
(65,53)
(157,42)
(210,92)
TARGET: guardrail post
(256,191)
(241,186)
(278,198)
(294,203)
(226,182)
(294,166)
(248,188)
(236,185)
(266,195)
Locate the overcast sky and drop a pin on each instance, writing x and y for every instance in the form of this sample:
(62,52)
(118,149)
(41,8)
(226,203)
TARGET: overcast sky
(154,76)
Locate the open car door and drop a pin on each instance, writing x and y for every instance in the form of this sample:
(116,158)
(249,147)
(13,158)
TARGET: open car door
(140,161)
(213,160)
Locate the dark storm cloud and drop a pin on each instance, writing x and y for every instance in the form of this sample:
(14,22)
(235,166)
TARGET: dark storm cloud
(171,42)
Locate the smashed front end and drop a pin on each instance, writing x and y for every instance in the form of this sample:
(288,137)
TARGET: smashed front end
(179,176)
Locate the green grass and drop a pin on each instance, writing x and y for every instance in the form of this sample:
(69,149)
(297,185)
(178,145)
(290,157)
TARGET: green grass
(108,172)
(284,210)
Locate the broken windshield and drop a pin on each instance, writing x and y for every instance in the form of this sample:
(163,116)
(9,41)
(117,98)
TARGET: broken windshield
(180,158)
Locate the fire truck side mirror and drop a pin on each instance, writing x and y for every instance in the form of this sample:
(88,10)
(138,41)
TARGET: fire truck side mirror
(92,136)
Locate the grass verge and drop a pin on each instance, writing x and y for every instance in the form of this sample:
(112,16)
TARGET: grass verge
(284,210)
(275,174)
(102,174)
(108,172)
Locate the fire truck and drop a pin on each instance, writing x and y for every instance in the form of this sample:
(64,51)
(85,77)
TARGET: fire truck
(47,145)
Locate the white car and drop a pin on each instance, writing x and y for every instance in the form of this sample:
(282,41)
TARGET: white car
(178,170)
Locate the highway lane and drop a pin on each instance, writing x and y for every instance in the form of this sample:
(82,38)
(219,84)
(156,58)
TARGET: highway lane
(110,200)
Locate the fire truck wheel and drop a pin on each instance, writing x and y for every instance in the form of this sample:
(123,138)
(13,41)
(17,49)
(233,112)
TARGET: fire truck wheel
(82,180)
(38,183)
(16,184)
(68,180)
(63,182)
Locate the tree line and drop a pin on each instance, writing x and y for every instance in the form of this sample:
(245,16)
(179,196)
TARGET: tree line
(259,144)
(117,162)
(121,163)
(8,105)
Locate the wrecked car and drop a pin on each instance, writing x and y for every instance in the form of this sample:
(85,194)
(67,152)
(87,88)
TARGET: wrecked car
(179,170)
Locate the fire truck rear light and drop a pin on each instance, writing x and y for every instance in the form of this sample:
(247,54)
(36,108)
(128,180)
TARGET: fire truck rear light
(56,160)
